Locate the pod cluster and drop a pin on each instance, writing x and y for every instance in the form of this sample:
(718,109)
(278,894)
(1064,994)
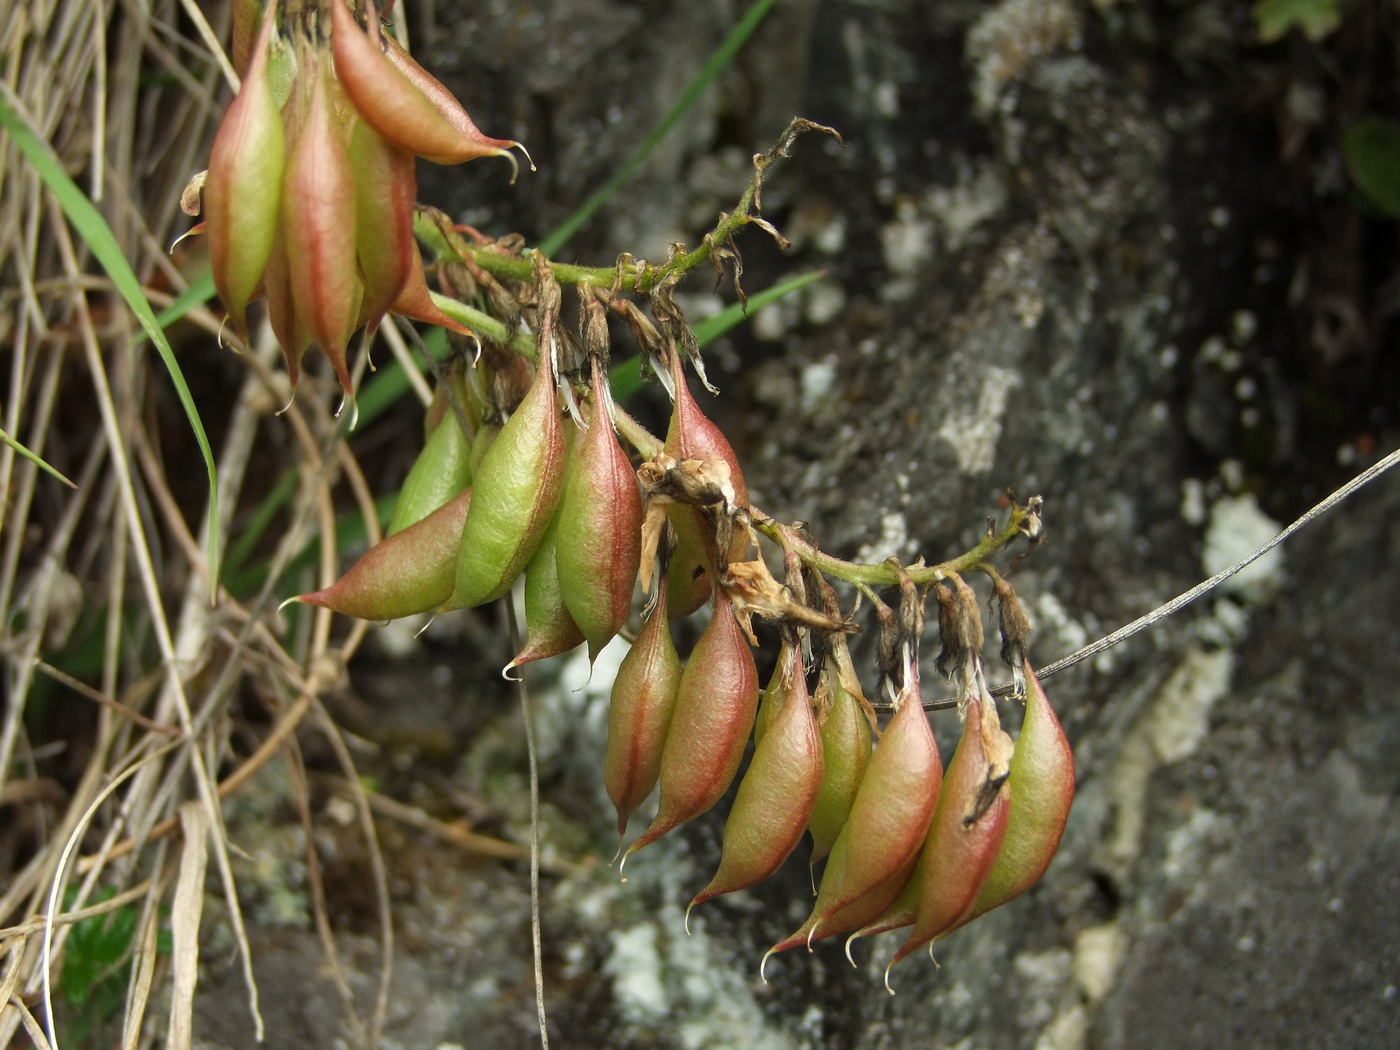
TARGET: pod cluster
(309,195)
(545,489)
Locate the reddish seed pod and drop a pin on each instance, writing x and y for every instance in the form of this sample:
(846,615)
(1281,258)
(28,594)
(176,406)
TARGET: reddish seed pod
(517,491)
(291,333)
(600,514)
(776,794)
(967,828)
(857,913)
(1042,790)
(549,627)
(396,108)
(318,223)
(846,747)
(639,714)
(714,714)
(410,572)
(691,435)
(890,815)
(416,301)
(243,190)
(385,188)
(901,911)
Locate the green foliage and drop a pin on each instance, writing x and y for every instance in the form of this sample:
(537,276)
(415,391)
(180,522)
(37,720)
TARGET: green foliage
(1372,148)
(1315,18)
(97,963)
(93,228)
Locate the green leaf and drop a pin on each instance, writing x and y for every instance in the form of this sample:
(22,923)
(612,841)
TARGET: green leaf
(33,458)
(93,228)
(1372,149)
(1316,18)
(725,53)
(626,376)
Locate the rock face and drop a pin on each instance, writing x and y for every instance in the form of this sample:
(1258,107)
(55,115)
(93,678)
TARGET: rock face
(1043,210)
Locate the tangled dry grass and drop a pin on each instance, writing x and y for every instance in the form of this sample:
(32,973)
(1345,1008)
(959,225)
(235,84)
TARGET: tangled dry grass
(124,682)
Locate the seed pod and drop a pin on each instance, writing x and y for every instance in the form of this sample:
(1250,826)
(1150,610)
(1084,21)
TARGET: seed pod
(243,190)
(1042,789)
(385,188)
(318,222)
(776,794)
(714,713)
(691,435)
(446,104)
(416,301)
(398,109)
(967,828)
(600,515)
(639,714)
(857,913)
(846,749)
(770,701)
(485,437)
(890,815)
(517,490)
(282,310)
(549,627)
(902,911)
(441,470)
(689,573)
(407,573)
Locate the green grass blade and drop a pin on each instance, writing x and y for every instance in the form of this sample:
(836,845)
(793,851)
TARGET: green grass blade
(93,228)
(197,294)
(34,459)
(626,376)
(736,39)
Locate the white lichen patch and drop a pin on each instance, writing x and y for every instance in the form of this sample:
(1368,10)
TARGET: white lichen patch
(1005,40)
(961,208)
(1098,951)
(893,541)
(974,435)
(906,243)
(1180,716)
(1068,1031)
(634,964)
(1237,527)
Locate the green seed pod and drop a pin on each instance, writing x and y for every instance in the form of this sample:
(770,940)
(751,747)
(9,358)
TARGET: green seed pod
(967,828)
(408,573)
(846,747)
(714,714)
(639,714)
(1042,789)
(890,814)
(485,437)
(243,190)
(770,702)
(550,628)
(600,517)
(517,491)
(442,470)
(776,794)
